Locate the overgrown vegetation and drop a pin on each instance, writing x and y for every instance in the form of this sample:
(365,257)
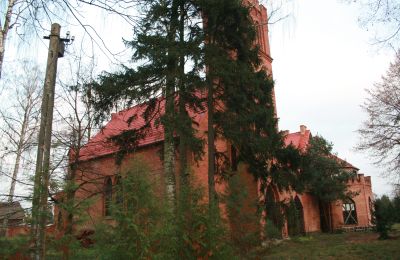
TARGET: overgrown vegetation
(324,176)
(13,246)
(363,245)
(386,214)
(142,226)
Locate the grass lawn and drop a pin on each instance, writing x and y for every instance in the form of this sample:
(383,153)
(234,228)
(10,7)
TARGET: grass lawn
(363,245)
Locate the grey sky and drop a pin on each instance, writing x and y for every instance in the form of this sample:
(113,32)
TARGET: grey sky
(323,62)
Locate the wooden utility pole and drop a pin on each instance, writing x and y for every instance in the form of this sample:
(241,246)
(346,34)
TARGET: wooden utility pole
(41,181)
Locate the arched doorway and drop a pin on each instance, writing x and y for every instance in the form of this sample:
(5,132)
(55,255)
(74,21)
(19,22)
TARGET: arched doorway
(295,217)
(274,214)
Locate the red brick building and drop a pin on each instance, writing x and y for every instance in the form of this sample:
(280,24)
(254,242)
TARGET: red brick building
(98,171)
(355,213)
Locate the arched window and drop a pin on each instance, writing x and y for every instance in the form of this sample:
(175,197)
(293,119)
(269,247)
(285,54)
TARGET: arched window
(349,212)
(107,196)
(272,208)
(119,198)
(300,213)
(59,221)
(234,159)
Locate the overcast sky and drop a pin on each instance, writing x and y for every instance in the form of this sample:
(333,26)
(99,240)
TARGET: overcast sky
(323,62)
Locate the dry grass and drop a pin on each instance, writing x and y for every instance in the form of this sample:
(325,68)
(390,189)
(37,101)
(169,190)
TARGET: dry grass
(365,245)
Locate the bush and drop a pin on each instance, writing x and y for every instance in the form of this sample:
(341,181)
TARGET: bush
(384,216)
(142,227)
(11,246)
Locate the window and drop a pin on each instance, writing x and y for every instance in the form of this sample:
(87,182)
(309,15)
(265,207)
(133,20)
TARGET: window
(272,208)
(107,197)
(349,212)
(119,198)
(234,159)
(59,220)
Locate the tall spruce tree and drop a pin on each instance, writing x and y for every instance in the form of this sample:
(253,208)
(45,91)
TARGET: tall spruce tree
(240,101)
(325,176)
(240,93)
(166,40)
(173,49)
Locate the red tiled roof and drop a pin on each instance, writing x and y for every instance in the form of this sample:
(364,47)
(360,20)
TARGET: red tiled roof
(101,145)
(301,141)
(345,163)
(298,139)
(13,210)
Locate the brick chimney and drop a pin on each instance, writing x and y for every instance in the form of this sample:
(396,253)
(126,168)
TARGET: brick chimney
(303,129)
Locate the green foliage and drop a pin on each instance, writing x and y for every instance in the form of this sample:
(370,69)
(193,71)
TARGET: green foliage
(323,174)
(159,53)
(350,245)
(11,246)
(396,205)
(275,218)
(195,227)
(384,216)
(271,230)
(140,226)
(243,215)
(247,116)
(294,218)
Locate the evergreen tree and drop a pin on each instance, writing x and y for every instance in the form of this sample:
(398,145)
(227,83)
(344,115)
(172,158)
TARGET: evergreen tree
(167,39)
(142,226)
(396,205)
(384,216)
(240,98)
(173,51)
(324,176)
(243,215)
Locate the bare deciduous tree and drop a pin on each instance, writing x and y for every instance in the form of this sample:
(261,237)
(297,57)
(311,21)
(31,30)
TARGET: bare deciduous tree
(32,17)
(382,18)
(380,133)
(20,123)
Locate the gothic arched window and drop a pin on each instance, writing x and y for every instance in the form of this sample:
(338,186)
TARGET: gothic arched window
(349,212)
(272,207)
(59,221)
(119,198)
(107,196)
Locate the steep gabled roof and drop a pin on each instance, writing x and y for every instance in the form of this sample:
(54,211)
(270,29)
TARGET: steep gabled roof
(299,140)
(130,119)
(345,163)
(101,145)
(13,210)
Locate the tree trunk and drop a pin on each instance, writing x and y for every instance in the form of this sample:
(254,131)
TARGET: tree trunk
(70,205)
(19,151)
(4,31)
(212,194)
(71,189)
(183,149)
(211,150)
(169,149)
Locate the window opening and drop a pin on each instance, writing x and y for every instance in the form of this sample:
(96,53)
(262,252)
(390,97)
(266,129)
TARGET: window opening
(107,197)
(349,212)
